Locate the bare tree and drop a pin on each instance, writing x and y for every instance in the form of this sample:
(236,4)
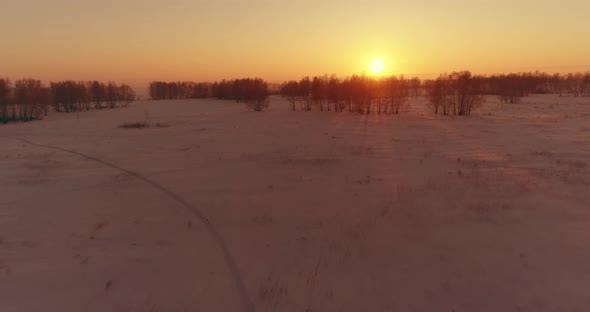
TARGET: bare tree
(436,93)
(319,92)
(126,94)
(97,92)
(290,91)
(415,85)
(28,94)
(5,87)
(305,93)
(254,92)
(112,94)
(69,96)
(397,91)
(467,93)
(45,99)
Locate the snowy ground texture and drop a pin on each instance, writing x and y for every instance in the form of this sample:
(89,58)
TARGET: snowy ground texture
(221,209)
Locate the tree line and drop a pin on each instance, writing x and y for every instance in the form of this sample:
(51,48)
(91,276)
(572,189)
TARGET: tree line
(161,90)
(457,93)
(30,99)
(72,96)
(253,92)
(360,94)
(510,88)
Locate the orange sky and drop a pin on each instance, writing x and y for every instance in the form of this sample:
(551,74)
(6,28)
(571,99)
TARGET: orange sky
(138,41)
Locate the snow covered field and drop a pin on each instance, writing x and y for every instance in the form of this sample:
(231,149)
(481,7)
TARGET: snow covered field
(318,211)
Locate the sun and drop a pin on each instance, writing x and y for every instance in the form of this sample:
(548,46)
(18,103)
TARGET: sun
(377,66)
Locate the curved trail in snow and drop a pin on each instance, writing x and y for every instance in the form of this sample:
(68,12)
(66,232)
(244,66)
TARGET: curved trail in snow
(247,304)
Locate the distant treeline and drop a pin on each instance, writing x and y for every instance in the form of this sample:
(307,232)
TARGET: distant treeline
(359,94)
(457,93)
(448,90)
(511,87)
(253,92)
(30,99)
(160,90)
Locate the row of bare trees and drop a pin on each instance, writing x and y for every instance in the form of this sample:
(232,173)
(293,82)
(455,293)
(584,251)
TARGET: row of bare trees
(359,94)
(161,90)
(577,85)
(253,92)
(72,96)
(457,93)
(29,99)
(510,88)
(5,87)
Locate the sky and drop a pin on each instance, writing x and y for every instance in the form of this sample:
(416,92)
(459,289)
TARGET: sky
(138,41)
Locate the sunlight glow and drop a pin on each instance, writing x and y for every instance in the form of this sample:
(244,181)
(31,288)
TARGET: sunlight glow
(377,66)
